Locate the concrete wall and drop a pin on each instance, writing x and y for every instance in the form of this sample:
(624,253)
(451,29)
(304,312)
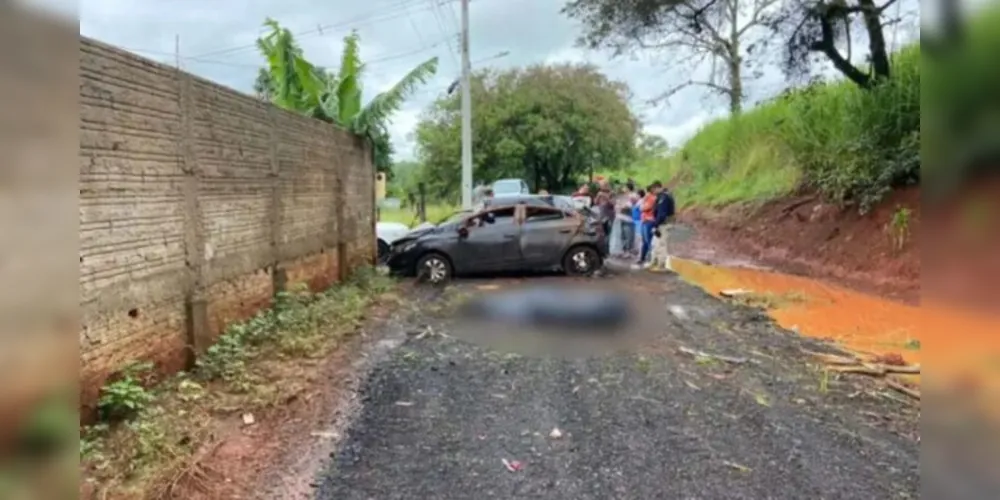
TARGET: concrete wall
(196,204)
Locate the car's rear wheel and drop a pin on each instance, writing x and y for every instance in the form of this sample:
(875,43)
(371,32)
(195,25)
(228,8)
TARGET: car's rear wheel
(383,252)
(581,260)
(434,268)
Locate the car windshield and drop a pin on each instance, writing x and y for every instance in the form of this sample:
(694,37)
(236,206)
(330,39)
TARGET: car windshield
(506,187)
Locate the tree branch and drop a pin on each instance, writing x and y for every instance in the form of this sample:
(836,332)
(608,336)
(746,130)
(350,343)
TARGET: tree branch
(695,16)
(756,18)
(677,88)
(826,46)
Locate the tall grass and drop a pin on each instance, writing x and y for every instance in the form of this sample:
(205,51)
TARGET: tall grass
(408,215)
(850,144)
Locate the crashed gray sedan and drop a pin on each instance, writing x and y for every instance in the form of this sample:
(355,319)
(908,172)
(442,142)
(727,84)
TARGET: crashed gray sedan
(502,238)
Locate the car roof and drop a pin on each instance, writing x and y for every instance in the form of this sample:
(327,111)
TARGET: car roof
(514,199)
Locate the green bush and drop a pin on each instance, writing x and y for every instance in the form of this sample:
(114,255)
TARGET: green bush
(125,397)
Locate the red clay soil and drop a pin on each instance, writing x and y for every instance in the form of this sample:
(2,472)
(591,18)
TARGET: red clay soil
(804,235)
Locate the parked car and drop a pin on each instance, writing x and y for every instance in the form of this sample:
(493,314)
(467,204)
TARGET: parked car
(503,237)
(505,187)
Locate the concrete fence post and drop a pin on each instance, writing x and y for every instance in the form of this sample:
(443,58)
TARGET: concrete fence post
(369,159)
(339,193)
(279,277)
(196,303)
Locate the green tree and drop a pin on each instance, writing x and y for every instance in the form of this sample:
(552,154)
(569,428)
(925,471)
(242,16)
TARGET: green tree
(405,175)
(294,83)
(652,146)
(550,125)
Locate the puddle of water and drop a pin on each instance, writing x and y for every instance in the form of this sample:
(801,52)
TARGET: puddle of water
(857,321)
(964,349)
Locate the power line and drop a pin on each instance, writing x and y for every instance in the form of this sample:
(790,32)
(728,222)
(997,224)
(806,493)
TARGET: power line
(438,18)
(370,62)
(451,13)
(384,14)
(413,24)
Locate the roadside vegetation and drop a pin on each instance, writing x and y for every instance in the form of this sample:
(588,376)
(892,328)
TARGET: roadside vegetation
(550,125)
(152,435)
(851,144)
(408,214)
(290,81)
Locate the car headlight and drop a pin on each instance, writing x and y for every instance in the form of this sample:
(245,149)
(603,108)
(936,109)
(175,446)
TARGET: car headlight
(405,247)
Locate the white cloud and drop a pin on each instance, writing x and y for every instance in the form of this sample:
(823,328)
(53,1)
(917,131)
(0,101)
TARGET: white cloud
(677,134)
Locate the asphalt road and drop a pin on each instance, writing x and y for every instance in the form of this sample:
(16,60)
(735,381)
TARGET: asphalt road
(442,414)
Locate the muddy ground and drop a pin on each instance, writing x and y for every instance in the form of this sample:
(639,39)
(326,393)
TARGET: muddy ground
(437,410)
(807,236)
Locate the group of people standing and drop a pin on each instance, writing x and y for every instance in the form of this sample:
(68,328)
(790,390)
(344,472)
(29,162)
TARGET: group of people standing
(636,222)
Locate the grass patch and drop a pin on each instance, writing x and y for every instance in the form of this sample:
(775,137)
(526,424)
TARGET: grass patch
(408,215)
(258,364)
(852,145)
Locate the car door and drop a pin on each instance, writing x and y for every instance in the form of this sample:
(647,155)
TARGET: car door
(545,235)
(490,246)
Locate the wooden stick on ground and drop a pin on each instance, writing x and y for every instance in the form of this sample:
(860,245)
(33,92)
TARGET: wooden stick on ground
(876,371)
(833,359)
(702,354)
(911,369)
(913,393)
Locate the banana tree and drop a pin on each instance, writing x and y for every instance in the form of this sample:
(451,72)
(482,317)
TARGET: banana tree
(295,84)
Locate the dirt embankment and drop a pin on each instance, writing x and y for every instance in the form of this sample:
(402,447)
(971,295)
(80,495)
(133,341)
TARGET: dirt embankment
(877,252)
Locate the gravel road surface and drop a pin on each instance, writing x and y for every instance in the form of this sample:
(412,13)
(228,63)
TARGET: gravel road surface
(451,417)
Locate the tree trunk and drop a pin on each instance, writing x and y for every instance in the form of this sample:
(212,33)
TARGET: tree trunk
(734,60)
(876,39)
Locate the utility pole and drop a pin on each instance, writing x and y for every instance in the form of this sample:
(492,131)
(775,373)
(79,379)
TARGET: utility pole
(466,112)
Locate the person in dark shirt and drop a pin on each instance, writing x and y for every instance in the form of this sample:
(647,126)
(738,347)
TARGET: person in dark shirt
(664,214)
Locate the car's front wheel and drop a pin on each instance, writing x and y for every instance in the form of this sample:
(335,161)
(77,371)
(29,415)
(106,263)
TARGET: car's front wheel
(434,268)
(581,260)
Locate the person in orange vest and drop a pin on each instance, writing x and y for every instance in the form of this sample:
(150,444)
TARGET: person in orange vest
(648,217)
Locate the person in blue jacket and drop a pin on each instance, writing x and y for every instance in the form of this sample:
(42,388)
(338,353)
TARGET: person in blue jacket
(637,216)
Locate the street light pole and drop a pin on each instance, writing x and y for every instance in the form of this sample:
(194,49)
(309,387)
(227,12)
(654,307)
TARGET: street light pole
(466,112)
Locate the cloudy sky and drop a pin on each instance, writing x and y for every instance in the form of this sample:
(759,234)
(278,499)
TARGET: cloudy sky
(217,36)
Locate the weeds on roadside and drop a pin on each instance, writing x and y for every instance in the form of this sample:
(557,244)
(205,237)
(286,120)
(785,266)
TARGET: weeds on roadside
(899,228)
(125,397)
(148,435)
